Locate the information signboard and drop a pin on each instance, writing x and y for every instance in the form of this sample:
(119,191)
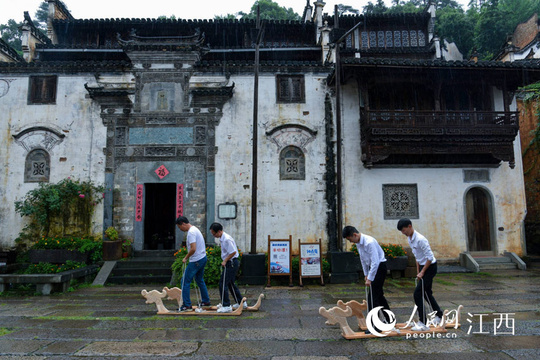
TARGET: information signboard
(279,258)
(310,261)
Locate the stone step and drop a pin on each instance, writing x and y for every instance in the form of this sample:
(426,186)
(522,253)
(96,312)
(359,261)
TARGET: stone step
(497,266)
(145,263)
(153,253)
(141,272)
(492,259)
(146,267)
(162,280)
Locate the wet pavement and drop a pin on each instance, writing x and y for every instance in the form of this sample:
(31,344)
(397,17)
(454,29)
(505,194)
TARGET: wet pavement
(114,322)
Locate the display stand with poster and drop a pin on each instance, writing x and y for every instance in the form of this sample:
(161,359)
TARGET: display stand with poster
(279,258)
(310,261)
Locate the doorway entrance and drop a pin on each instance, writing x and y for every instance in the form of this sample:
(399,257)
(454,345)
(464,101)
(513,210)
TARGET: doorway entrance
(478,207)
(159,216)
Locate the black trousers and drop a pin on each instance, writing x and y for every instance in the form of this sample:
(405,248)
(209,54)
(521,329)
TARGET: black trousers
(376,290)
(228,276)
(428,293)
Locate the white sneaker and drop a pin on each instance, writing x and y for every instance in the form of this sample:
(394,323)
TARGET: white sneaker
(420,326)
(437,321)
(236,306)
(225,309)
(218,306)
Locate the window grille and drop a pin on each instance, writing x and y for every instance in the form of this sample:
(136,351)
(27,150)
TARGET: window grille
(290,89)
(42,90)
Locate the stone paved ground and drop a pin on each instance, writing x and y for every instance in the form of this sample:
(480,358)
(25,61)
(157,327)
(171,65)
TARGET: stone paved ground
(114,322)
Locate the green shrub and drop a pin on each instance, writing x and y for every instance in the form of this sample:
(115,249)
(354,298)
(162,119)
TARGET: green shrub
(111,233)
(48,268)
(59,209)
(212,270)
(91,245)
(390,250)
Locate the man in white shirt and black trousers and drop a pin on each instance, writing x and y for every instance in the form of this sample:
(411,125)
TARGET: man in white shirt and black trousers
(426,267)
(230,263)
(373,264)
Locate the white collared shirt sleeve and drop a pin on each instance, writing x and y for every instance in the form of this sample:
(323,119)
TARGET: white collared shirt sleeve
(426,251)
(421,249)
(374,259)
(363,258)
(371,255)
(228,246)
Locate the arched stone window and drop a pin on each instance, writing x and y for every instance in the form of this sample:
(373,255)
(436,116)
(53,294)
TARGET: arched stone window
(37,166)
(292,164)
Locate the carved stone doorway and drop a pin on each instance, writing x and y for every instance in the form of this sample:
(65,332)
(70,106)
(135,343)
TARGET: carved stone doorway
(159,216)
(479,220)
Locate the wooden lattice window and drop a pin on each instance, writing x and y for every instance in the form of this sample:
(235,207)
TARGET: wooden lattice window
(290,89)
(42,89)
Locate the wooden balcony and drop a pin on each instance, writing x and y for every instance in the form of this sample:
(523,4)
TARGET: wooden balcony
(437,138)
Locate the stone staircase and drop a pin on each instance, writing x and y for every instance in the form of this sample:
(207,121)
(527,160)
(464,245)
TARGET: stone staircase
(145,267)
(495,263)
(507,261)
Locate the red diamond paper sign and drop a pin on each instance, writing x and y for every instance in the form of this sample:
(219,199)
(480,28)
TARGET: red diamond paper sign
(162,171)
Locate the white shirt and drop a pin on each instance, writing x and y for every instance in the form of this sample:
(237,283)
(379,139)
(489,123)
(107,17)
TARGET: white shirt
(194,236)
(421,249)
(371,255)
(228,246)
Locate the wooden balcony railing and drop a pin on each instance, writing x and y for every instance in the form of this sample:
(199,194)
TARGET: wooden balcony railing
(437,137)
(408,118)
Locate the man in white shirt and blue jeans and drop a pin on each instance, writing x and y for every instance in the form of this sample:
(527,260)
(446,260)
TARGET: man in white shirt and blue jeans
(426,268)
(373,264)
(231,264)
(197,261)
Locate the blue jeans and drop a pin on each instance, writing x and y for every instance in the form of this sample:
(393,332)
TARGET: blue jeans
(194,270)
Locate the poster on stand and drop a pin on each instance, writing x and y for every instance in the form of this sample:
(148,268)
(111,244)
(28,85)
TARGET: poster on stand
(310,261)
(279,258)
(280,253)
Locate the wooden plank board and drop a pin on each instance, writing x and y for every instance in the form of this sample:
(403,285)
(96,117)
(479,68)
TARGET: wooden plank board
(209,312)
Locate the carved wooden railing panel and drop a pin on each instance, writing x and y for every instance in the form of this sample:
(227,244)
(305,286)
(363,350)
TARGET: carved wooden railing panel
(438,118)
(398,132)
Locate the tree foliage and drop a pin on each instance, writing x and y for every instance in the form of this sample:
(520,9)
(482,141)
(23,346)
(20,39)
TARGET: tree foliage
(40,18)
(483,28)
(11,34)
(41,15)
(269,10)
(375,8)
(454,25)
(347,9)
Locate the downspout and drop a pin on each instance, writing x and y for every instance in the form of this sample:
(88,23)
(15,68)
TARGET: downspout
(339,180)
(260,29)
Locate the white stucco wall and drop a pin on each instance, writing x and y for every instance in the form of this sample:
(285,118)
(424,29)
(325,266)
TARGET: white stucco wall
(285,207)
(441,196)
(79,155)
(523,54)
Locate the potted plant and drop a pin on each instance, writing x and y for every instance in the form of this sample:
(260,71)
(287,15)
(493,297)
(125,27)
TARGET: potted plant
(396,258)
(112,246)
(58,250)
(127,248)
